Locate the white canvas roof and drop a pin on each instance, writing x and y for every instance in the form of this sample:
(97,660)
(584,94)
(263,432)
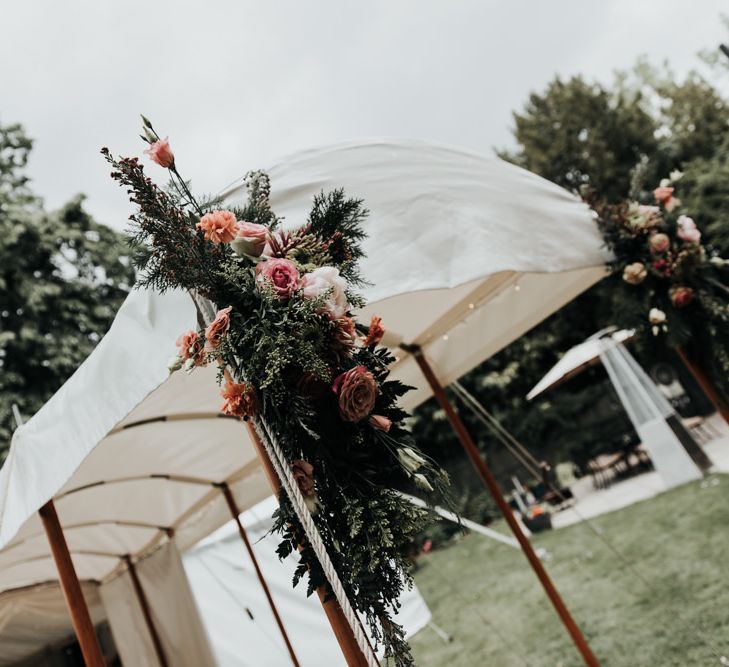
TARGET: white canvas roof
(460,246)
(575,360)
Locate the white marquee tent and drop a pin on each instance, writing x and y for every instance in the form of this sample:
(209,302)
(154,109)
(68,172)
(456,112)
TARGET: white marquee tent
(465,254)
(235,612)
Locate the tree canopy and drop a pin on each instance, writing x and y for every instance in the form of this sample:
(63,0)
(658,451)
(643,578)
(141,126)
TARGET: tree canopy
(62,278)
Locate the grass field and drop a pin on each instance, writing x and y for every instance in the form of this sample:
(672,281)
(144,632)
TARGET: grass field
(485,595)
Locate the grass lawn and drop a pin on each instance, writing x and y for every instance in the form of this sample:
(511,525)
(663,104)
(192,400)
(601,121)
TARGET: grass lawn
(485,595)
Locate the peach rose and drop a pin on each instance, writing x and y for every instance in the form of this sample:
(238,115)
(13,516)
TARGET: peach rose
(281,274)
(357,391)
(659,243)
(375,333)
(191,347)
(161,153)
(635,273)
(239,400)
(219,226)
(380,422)
(251,239)
(218,328)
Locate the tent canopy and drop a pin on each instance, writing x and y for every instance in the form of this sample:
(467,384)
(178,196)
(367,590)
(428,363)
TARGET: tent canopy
(575,360)
(464,255)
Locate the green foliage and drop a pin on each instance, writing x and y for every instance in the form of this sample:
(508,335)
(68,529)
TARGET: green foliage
(62,278)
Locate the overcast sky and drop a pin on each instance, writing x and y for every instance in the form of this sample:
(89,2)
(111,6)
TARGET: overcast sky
(238,84)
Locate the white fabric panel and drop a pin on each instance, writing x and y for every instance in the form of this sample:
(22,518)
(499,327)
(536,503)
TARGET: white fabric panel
(574,359)
(242,629)
(123,369)
(440,217)
(33,619)
(648,409)
(173,609)
(131,637)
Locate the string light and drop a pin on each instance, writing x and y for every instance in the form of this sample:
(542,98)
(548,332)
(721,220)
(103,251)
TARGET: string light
(471,306)
(517,287)
(445,336)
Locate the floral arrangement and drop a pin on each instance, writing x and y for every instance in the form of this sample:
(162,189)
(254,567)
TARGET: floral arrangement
(673,276)
(288,349)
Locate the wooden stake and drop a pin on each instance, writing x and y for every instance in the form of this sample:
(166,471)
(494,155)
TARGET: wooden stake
(340,626)
(264,585)
(146,612)
(82,625)
(707,386)
(492,485)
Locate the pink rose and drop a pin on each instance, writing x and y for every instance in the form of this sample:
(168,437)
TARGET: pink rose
(218,328)
(326,280)
(219,226)
(281,274)
(687,230)
(659,243)
(357,391)
(190,347)
(681,296)
(161,153)
(380,422)
(251,239)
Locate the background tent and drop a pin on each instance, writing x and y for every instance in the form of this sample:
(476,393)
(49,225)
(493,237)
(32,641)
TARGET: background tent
(464,255)
(236,615)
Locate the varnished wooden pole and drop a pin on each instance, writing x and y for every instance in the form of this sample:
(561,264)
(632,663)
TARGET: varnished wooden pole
(707,386)
(492,485)
(264,584)
(342,631)
(146,612)
(82,625)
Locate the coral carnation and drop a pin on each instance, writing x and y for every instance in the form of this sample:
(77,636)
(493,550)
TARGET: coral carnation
(375,333)
(218,328)
(239,400)
(190,346)
(219,226)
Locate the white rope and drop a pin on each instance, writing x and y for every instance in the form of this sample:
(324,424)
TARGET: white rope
(283,469)
(291,487)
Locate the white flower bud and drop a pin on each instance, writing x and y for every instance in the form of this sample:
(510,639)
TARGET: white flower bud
(422,482)
(410,459)
(174,364)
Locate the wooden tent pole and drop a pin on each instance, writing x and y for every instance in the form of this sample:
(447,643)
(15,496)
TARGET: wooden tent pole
(707,386)
(264,585)
(340,626)
(80,617)
(492,485)
(146,612)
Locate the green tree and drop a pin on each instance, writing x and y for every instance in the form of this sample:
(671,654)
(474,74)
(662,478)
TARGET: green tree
(62,278)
